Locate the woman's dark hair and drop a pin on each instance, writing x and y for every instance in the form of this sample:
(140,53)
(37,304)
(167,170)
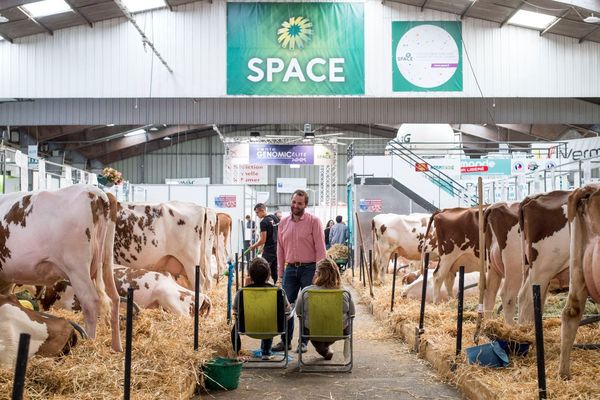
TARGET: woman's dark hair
(259,270)
(329,223)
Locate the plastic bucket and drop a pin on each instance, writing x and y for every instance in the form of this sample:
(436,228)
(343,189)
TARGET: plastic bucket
(222,373)
(512,347)
(488,355)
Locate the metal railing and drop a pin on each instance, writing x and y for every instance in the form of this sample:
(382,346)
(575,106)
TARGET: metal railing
(563,177)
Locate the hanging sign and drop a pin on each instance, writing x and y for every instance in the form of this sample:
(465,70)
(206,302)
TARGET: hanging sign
(295,48)
(249,175)
(277,154)
(370,205)
(427,56)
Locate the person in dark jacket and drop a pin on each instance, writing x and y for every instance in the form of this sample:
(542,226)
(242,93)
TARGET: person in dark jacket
(327,230)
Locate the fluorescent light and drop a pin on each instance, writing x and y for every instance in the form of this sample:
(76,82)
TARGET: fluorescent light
(110,124)
(530,19)
(592,19)
(154,129)
(167,138)
(143,5)
(47,7)
(3,19)
(136,132)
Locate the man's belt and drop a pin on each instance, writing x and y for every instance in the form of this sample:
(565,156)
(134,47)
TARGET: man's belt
(300,264)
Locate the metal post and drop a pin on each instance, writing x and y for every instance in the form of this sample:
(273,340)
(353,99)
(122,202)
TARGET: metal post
(370,267)
(459,318)
(237,270)
(423,293)
(394,281)
(196,308)
(539,341)
(351,259)
(419,330)
(229,285)
(128,337)
(21,366)
(362,266)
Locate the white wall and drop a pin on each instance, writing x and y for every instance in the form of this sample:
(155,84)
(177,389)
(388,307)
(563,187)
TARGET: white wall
(109,59)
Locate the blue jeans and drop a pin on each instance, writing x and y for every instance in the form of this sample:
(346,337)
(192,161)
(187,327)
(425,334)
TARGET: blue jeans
(265,344)
(294,280)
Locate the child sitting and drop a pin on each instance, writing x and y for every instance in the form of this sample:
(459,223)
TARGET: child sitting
(327,276)
(259,272)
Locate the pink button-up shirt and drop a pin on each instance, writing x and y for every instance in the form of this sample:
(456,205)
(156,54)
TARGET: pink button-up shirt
(302,241)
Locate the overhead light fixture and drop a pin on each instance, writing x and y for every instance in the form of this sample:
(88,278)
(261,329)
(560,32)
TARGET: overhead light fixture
(135,6)
(47,7)
(110,124)
(3,19)
(154,129)
(167,138)
(530,19)
(134,133)
(592,19)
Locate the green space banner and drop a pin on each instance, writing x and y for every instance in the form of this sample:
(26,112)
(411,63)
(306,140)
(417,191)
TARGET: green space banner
(427,56)
(295,49)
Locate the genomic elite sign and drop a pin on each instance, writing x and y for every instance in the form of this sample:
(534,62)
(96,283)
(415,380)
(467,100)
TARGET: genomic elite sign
(427,56)
(295,48)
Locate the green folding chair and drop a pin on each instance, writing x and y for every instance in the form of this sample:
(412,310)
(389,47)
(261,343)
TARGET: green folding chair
(261,314)
(325,309)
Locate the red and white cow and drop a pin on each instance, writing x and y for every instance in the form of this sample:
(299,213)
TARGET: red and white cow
(65,234)
(503,244)
(545,235)
(222,250)
(151,290)
(457,233)
(50,336)
(172,237)
(584,221)
(404,235)
(414,290)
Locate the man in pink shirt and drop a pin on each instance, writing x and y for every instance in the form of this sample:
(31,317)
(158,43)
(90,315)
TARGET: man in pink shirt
(300,244)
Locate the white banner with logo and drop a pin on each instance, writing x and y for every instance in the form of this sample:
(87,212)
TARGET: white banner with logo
(576,149)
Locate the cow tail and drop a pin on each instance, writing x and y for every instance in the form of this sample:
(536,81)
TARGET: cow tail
(108,256)
(426,241)
(98,260)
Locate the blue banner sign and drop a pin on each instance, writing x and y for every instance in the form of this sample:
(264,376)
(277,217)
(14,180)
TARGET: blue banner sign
(277,154)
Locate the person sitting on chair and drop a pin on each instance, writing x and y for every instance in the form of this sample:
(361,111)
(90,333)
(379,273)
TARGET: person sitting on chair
(259,273)
(327,276)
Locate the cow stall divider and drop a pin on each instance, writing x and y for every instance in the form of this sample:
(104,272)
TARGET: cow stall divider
(419,329)
(196,306)
(229,286)
(362,258)
(128,338)
(21,366)
(539,341)
(459,316)
(481,263)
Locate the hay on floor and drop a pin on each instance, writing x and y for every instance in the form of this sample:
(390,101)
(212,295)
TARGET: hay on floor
(164,364)
(519,379)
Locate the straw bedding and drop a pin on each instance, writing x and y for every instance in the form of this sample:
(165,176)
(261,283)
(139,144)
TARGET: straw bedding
(164,365)
(338,252)
(519,380)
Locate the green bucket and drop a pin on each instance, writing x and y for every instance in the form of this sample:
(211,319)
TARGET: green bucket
(222,373)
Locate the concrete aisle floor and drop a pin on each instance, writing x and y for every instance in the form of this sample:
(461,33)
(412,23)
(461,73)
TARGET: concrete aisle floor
(383,369)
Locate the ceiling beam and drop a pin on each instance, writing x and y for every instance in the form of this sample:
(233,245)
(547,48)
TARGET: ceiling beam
(45,133)
(590,33)
(102,148)
(92,135)
(35,21)
(149,147)
(79,13)
(467,9)
(556,21)
(6,4)
(424,5)
(492,133)
(6,37)
(540,131)
(512,14)
(376,130)
(169,5)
